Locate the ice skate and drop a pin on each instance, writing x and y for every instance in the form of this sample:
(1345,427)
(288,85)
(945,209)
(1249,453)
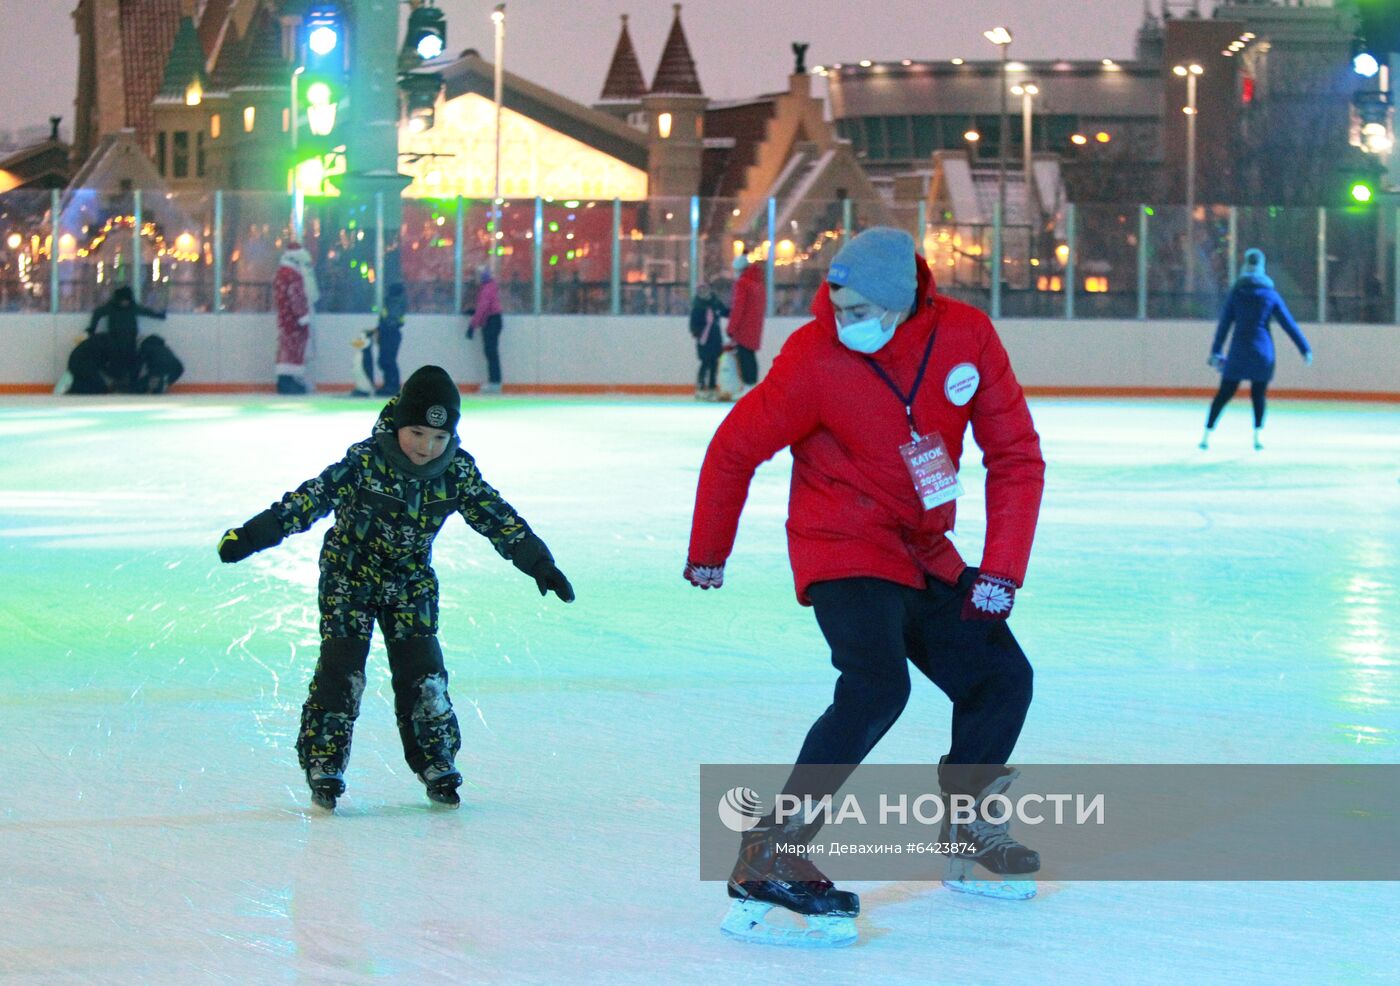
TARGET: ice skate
(326,783)
(1205,439)
(1258,440)
(490,388)
(442,779)
(811,912)
(992,848)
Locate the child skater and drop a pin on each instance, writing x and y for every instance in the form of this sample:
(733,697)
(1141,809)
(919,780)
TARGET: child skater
(391,495)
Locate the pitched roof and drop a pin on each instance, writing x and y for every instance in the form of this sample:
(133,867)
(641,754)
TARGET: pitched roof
(186,63)
(264,65)
(744,125)
(676,75)
(148,30)
(215,27)
(472,73)
(625,81)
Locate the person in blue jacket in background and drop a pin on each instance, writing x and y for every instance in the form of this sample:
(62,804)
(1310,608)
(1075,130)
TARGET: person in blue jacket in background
(1253,303)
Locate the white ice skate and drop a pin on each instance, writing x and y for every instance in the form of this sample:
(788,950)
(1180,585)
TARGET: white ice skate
(768,924)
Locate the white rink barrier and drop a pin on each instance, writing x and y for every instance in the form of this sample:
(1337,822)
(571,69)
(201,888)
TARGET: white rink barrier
(600,353)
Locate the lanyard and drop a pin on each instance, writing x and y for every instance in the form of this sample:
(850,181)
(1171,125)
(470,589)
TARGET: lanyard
(908,402)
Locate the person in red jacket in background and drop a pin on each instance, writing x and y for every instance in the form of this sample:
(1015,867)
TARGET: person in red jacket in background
(874,396)
(746,312)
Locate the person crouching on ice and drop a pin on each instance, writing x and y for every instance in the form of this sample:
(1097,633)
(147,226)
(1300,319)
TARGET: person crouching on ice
(391,495)
(874,396)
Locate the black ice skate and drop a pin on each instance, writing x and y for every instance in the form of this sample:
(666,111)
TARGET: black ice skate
(442,780)
(326,783)
(766,877)
(991,847)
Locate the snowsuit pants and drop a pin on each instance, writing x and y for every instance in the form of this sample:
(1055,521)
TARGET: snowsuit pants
(876,629)
(427,724)
(390,338)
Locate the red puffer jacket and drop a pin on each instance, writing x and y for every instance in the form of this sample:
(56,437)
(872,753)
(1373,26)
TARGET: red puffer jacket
(746,313)
(852,509)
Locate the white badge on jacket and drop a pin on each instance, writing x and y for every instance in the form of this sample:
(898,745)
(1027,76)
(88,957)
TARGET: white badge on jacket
(961,383)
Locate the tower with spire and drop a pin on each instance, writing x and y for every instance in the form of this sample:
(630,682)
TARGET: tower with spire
(675,109)
(625,85)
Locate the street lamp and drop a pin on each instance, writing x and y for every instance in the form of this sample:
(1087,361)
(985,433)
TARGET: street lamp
(1026,90)
(498,17)
(1000,37)
(1190,73)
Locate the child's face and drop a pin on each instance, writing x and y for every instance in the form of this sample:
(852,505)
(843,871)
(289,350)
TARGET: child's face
(423,444)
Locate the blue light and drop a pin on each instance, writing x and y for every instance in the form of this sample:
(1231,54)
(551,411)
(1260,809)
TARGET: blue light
(1365,64)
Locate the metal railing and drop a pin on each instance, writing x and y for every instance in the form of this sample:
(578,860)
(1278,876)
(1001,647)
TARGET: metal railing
(219,252)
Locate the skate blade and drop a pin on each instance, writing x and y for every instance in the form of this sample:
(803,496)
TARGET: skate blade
(325,805)
(959,881)
(747,920)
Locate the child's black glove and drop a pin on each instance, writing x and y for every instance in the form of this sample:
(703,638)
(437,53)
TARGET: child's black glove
(547,577)
(259,533)
(532,557)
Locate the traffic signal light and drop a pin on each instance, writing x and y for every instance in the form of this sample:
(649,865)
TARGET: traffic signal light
(1361,191)
(426,38)
(324,64)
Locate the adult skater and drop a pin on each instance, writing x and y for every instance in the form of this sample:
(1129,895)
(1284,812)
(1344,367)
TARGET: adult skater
(391,495)
(488,316)
(1253,303)
(873,396)
(707,314)
(123,359)
(746,317)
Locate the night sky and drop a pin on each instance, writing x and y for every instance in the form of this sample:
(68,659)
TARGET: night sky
(740,46)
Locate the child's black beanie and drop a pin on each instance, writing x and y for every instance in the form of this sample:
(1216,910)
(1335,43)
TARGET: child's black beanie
(430,399)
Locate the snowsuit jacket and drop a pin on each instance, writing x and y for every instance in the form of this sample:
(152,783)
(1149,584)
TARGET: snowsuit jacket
(852,508)
(705,325)
(380,546)
(1253,303)
(746,315)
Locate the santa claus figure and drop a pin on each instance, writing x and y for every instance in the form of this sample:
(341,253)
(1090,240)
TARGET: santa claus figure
(295,292)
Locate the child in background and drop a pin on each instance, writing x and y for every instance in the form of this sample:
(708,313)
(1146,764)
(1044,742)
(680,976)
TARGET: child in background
(391,495)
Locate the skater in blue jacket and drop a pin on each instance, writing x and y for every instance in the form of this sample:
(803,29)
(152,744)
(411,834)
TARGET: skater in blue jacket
(1253,303)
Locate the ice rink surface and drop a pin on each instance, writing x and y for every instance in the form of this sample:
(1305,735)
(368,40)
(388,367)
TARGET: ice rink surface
(1181,606)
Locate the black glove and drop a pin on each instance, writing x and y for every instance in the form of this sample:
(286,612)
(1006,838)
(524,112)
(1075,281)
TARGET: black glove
(547,577)
(470,331)
(532,557)
(259,533)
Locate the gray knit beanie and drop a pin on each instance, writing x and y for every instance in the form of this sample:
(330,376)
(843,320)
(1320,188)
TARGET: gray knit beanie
(879,264)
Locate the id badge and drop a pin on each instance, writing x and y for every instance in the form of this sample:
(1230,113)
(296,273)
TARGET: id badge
(931,468)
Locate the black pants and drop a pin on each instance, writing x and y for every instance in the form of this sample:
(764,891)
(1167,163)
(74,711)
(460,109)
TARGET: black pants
(709,367)
(1257,391)
(389,341)
(748,365)
(876,629)
(491,339)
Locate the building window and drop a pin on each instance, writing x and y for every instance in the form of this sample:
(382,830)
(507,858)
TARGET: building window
(216,126)
(250,114)
(199,153)
(160,153)
(663,125)
(900,144)
(180,154)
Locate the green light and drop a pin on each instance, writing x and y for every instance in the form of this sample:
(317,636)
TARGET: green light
(319,94)
(553,260)
(1361,192)
(569,255)
(554,227)
(1151,211)
(571,204)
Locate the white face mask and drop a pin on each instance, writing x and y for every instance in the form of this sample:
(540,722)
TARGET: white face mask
(868,335)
